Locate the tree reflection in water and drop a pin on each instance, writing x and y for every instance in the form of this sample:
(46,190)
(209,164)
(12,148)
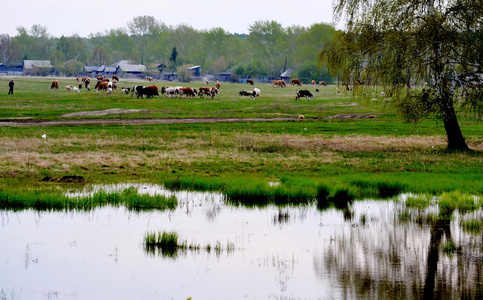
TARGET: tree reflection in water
(390,259)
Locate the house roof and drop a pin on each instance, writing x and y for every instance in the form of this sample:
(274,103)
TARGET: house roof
(29,64)
(287,73)
(133,68)
(227,72)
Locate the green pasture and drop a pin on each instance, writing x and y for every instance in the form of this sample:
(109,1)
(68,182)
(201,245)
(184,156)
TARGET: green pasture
(354,144)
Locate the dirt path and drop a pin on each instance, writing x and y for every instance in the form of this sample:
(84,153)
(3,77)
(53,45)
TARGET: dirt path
(101,122)
(27,122)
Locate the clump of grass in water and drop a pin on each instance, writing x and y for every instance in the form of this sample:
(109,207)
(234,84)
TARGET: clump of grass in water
(168,242)
(456,200)
(55,201)
(170,245)
(471,226)
(418,201)
(258,193)
(449,248)
(341,197)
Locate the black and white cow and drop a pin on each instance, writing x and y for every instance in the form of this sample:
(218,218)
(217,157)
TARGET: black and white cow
(304,93)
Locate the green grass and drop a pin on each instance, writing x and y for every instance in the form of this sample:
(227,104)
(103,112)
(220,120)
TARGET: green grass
(168,244)
(455,200)
(56,201)
(471,226)
(370,157)
(418,201)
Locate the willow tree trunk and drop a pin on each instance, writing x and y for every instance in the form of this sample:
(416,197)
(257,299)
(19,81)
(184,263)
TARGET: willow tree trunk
(456,141)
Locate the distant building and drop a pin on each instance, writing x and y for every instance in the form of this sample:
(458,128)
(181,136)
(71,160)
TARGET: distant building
(224,76)
(11,70)
(123,68)
(285,76)
(37,67)
(196,71)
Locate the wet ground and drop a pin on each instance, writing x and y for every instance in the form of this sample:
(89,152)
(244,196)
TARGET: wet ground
(370,250)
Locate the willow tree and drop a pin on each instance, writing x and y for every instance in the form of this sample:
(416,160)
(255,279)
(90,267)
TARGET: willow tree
(393,42)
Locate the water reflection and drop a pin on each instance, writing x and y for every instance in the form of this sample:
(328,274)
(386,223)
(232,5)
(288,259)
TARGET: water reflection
(361,250)
(389,259)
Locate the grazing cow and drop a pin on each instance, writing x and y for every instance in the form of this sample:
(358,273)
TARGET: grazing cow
(214,91)
(186,91)
(296,82)
(101,86)
(54,85)
(68,87)
(313,82)
(246,93)
(279,83)
(217,85)
(126,90)
(114,77)
(206,81)
(256,93)
(86,81)
(204,91)
(76,89)
(170,91)
(304,93)
(317,90)
(249,81)
(77,79)
(99,77)
(322,83)
(136,90)
(112,85)
(208,91)
(149,91)
(150,79)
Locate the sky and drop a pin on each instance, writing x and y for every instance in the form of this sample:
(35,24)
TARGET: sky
(69,17)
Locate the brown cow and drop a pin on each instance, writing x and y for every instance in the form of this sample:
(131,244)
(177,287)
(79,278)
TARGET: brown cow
(186,91)
(102,85)
(86,81)
(296,82)
(150,79)
(249,81)
(313,82)
(54,85)
(279,83)
(217,85)
(322,83)
(114,77)
(99,77)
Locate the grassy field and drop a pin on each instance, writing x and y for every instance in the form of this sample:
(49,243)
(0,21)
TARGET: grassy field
(360,143)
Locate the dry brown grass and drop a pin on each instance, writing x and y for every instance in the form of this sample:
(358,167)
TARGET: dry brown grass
(239,149)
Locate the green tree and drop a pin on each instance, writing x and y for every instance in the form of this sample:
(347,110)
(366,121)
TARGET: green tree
(42,42)
(392,42)
(143,29)
(267,41)
(100,56)
(9,50)
(174,55)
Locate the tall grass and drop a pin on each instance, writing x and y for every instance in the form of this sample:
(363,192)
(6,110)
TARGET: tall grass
(451,201)
(38,200)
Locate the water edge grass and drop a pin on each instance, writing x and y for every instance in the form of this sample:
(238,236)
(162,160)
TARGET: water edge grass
(58,201)
(168,244)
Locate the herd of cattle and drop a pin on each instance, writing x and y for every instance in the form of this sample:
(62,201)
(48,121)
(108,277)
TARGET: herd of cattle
(110,85)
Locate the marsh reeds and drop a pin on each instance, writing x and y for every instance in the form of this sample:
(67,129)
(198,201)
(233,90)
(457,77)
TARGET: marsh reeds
(168,244)
(54,200)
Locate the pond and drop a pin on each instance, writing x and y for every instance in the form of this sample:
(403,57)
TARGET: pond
(371,250)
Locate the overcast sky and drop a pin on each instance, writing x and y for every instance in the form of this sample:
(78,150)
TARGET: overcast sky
(68,17)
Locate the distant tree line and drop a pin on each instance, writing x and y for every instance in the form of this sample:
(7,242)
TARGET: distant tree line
(268,49)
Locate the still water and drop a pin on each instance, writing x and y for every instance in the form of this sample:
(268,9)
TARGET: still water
(364,252)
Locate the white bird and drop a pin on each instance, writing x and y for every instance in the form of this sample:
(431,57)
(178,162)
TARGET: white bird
(44,136)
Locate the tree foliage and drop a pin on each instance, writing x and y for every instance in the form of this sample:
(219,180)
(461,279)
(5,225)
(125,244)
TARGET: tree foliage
(399,42)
